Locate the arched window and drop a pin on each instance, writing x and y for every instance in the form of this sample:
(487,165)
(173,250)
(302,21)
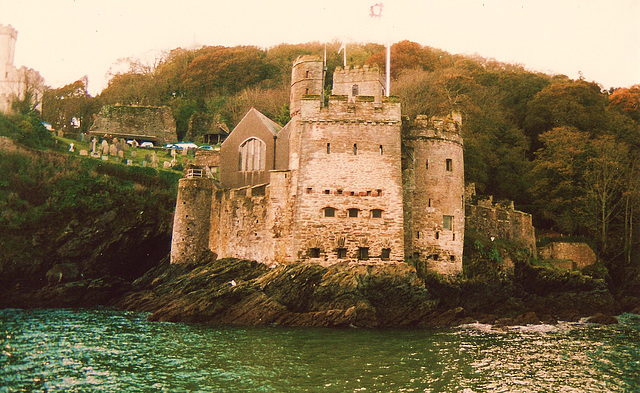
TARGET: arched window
(329,212)
(251,155)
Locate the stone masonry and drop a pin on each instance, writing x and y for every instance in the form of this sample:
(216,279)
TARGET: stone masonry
(345,183)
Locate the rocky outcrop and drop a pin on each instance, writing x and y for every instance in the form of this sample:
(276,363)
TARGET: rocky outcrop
(238,292)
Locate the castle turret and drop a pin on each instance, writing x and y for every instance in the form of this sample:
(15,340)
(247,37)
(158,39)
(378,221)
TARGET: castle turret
(192,218)
(8,37)
(433,175)
(306,79)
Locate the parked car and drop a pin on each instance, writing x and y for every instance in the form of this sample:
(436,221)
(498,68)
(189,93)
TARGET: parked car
(147,145)
(206,147)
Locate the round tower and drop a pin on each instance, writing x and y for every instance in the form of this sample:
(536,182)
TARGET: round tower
(192,219)
(435,216)
(8,37)
(306,79)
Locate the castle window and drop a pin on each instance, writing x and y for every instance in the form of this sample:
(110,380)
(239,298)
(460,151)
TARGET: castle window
(342,252)
(354,90)
(309,190)
(339,192)
(417,234)
(306,91)
(379,192)
(353,212)
(355,149)
(437,235)
(329,212)
(447,223)
(314,253)
(327,192)
(381,150)
(328,148)
(386,253)
(252,155)
(427,164)
(306,75)
(376,213)
(452,258)
(363,253)
(429,202)
(449,164)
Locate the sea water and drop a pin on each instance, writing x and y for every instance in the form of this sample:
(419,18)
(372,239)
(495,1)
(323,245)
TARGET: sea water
(112,351)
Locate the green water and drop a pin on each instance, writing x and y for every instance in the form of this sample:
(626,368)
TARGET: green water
(112,351)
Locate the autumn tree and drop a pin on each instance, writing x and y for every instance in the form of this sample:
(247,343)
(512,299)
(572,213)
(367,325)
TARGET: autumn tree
(627,101)
(61,106)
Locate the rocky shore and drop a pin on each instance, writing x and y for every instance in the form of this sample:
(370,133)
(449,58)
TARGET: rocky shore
(240,292)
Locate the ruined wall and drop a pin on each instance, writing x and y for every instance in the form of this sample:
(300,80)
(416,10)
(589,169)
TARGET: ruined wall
(501,221)
(13,81)
(349,158)
(433,174)
(143,123)
(192,219)
(580,253)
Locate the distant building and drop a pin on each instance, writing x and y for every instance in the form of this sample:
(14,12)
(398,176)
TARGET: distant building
(142,123)
(15,83)
(342,182)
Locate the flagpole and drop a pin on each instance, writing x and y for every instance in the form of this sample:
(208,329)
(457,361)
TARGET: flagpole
(324,71)
(388,68)
(344,56)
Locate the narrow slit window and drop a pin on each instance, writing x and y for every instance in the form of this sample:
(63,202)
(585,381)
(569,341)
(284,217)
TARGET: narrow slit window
(381,150)
(429,202)
(437,235)
(306,75)
(354,90)
(328,148)
(449,165)
(427,164)
(355,149)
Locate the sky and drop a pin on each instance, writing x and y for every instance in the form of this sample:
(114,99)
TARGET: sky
(64,40)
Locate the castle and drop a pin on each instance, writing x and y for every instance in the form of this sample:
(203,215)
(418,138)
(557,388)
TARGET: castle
(16,82)
(345,181)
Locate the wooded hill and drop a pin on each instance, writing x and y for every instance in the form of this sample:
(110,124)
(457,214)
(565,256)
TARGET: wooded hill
(564,150)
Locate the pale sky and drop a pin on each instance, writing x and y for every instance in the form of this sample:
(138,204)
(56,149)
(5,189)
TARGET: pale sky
(67,39)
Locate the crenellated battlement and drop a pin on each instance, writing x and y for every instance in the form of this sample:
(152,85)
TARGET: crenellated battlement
(435,127)
(340,109)
(9,30)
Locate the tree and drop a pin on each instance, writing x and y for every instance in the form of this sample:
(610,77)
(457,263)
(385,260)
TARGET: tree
(69,104)
(627,101)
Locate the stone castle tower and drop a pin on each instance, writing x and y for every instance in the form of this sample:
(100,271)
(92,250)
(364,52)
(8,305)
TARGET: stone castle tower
(345,182)
(14,82)
(433,174)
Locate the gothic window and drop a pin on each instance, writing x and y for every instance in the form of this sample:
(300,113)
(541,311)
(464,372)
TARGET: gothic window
(354,90)
(363,253)
(353,212)
(449,164)
(447,223)
(252,155)
(329,212)
(386,253)
(376,213)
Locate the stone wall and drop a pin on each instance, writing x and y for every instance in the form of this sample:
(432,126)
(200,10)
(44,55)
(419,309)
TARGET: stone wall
(501,221)
(349,161)
(143,123)
(367,80)
(580,253)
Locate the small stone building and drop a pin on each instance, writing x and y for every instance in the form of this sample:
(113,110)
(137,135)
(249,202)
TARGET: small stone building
(142,123)
(568,255)
(340,183)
